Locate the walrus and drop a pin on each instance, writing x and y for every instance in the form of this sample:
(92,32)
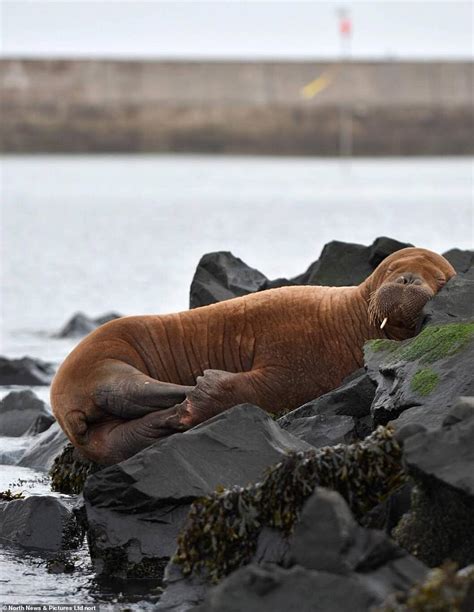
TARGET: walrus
(141,378)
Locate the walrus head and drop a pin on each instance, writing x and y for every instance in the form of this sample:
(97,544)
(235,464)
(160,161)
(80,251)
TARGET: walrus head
(400,287)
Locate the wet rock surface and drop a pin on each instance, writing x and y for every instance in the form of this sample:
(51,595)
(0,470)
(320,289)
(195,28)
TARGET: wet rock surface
(80,324)
(39,522)
(135,509)
(46,446)
(25,371)
(22,412)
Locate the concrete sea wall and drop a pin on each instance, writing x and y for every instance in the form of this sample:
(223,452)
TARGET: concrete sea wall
(371,108)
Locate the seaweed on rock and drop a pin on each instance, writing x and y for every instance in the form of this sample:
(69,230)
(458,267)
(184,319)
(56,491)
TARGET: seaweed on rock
(9,495)
(221,532)
(443,589)
(70,470)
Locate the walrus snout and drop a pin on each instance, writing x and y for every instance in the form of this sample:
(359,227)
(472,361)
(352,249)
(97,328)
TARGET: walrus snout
(400,301)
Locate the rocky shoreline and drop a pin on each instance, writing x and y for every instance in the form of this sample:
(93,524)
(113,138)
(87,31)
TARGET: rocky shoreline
(362,499)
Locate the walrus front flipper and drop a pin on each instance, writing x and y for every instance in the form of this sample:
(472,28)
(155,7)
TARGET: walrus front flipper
(217,391)
(126,392)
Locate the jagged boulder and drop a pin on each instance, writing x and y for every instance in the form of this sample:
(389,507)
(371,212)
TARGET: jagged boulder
(40,522)
(334,417)
(274,589)
(23,412)
(453,304)
(135,509)
(440,524)
(25,371)
(80,324)
(462,261)
(41,453)
(220,276)
(326,549)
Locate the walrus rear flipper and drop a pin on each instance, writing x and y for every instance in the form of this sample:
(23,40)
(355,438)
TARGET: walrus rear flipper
(127,393)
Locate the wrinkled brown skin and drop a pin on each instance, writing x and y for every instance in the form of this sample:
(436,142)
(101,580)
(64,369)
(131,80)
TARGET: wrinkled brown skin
(137,379)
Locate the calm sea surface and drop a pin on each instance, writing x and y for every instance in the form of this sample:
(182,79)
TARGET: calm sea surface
(125,233)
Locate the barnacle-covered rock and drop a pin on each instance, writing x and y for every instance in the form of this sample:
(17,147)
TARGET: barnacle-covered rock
(70,470)
(440,524)
(443,590)
(223,528)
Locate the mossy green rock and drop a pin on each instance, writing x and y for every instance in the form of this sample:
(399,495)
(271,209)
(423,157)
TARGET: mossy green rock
(421,378)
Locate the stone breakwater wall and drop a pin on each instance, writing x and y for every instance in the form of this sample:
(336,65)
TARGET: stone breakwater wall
(389,108)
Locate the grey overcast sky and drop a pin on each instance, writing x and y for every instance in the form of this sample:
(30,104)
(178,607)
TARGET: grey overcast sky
(234,29)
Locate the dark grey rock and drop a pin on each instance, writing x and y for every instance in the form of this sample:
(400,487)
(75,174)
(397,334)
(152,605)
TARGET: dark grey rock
(25,371)
(453,304)
(344,263)
(422,387)
(462,261)
(221,276)
(273,589)
(80,324)
(324,533)
(272,547)
(353,398)
(447,453)
(341,264)
(334,417)
(23,412)
(136,508)
(383,247)
(40,522)
(181,594)
(440,523)
(323,429)
(46,446)
(327,538)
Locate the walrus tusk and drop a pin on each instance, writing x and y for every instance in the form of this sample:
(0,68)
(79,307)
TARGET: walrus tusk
(383,323)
